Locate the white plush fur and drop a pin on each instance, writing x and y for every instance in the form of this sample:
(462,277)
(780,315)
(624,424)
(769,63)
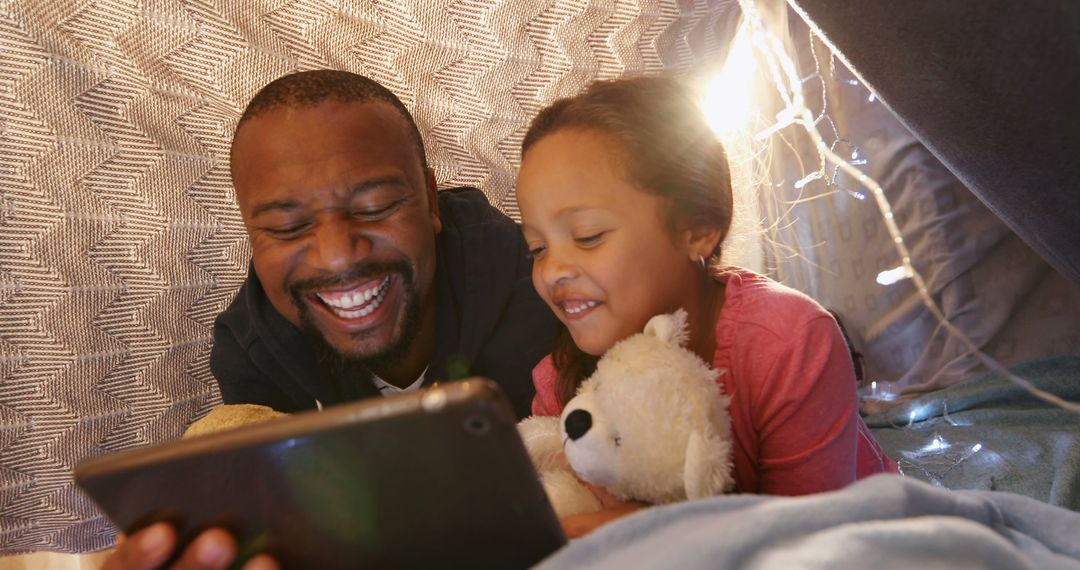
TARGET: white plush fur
(660,430)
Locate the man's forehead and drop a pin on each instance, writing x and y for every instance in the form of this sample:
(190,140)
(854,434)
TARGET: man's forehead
(293,154)
(312,128)
(331,114)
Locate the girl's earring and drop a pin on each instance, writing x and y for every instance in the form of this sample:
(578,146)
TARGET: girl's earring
(701,262)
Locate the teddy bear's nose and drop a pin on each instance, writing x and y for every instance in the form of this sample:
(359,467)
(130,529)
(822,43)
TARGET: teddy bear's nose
(578,423)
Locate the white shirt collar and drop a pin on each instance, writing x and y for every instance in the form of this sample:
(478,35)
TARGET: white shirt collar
(387,388)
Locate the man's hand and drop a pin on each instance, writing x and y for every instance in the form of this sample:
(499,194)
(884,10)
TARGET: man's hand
(152,546)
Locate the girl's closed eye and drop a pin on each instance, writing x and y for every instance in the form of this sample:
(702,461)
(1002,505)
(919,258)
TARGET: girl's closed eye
(535,252)
(591,240)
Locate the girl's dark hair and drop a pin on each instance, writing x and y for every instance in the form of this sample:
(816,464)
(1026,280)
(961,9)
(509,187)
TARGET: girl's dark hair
(667,149)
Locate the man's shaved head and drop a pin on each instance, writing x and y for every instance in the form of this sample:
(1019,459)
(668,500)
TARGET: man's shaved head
(310,88)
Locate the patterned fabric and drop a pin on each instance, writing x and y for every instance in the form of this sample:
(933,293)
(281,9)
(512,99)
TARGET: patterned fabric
(119,237)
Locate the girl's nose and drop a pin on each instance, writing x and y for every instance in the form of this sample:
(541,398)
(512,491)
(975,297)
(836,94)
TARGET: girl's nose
(556,268)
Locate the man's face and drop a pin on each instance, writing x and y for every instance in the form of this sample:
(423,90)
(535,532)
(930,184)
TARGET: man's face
(342,218)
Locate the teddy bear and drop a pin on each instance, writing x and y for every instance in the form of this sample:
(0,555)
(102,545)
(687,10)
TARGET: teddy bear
(230,416)
(651,424)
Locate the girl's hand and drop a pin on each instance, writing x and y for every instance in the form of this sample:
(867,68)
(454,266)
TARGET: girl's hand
(577,526)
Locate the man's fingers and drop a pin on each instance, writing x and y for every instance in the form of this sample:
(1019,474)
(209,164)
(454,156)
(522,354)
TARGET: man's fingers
(261,562)
(144,550)
(212,550)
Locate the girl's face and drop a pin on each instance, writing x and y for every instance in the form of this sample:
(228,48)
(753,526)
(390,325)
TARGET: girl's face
(603,257)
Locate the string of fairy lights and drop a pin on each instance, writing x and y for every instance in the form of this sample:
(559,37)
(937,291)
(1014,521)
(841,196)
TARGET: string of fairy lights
(768,49)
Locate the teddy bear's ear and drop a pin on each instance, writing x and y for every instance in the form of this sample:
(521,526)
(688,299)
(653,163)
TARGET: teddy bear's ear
(669,328)
(707,468)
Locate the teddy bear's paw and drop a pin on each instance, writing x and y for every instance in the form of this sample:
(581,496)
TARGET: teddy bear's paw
(543,440)
(707,468)
(568,495)
(232,416)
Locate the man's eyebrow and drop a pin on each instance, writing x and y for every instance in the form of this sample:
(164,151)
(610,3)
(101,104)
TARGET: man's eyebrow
(389,180)
(274,205)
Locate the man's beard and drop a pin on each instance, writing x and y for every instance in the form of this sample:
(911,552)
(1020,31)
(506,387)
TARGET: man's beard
(344,365)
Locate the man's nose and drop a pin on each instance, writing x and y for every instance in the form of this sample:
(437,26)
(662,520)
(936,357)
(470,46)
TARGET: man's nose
(337,246)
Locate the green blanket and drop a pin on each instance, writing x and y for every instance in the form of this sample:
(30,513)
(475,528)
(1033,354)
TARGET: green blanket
(990,434)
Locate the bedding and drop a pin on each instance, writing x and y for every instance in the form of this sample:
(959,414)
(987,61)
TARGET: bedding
(885,521)
(988,433)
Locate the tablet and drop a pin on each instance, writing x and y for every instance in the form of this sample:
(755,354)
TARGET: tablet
(438,477)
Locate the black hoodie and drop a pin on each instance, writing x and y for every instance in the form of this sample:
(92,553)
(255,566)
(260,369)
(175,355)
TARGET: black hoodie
(489,322)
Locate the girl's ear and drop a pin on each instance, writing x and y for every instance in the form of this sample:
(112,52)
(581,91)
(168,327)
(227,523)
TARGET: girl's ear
(702,242)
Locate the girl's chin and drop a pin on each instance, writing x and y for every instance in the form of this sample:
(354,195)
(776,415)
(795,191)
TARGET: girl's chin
(592,345)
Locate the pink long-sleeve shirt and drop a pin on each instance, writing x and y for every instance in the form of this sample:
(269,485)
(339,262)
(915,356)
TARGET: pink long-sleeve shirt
(788,372)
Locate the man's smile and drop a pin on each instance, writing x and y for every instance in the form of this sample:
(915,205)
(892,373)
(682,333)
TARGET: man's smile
(358,301)
(352,308)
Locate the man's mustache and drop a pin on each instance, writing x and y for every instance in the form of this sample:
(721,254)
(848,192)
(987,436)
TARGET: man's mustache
(359,272)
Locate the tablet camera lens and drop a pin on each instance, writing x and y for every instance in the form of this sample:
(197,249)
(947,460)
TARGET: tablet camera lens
(477,425)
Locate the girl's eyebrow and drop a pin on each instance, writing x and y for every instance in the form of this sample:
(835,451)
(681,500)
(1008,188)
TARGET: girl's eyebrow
(566,212)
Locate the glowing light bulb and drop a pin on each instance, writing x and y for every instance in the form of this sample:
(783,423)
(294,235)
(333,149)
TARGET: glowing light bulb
(729,99)
(975,448)
(891,276)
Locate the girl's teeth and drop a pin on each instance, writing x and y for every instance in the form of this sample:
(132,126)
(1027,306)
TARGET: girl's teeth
(573,310)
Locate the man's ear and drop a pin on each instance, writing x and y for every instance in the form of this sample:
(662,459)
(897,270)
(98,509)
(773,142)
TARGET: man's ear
(702,241)
(433,198)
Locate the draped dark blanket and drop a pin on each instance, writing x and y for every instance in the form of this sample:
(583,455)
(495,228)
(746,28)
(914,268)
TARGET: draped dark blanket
(991,88)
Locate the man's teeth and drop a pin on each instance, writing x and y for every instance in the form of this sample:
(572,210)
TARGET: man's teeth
(354,304)
(576,308)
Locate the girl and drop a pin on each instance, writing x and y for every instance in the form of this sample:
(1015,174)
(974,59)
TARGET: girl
(625,200)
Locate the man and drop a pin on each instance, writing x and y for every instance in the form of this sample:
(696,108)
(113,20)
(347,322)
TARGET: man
(364,279)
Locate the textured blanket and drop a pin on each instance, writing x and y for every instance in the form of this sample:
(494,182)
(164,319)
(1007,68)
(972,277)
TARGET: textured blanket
(886,521)
(988,433)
